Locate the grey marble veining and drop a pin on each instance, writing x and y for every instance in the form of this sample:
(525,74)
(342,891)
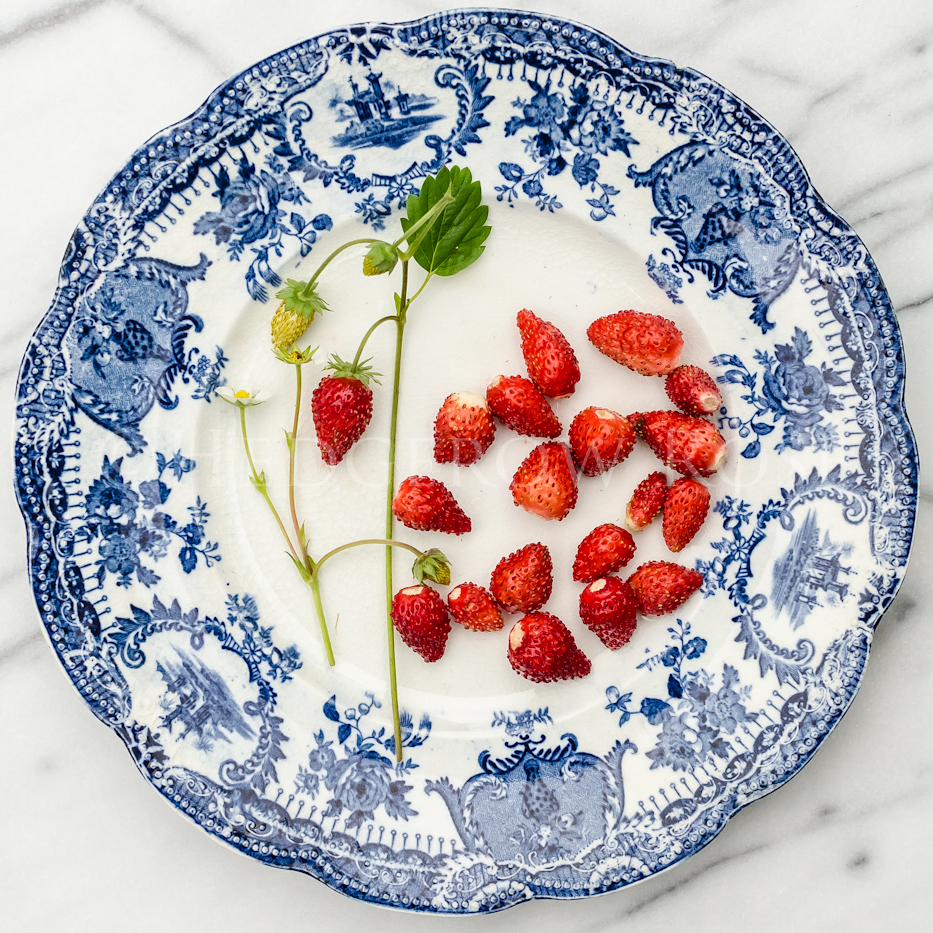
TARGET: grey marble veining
(843,847)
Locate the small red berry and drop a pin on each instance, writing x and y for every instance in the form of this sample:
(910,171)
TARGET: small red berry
(463,429)
(542,649)
(473,607)
(552,364)
(520,405)
(421,618)
(606,549)
(608,609)
(646,501)
(522,581)
(599,439)
(685,508)
(661,587)
(426,504)
(647,343)
(545,483)
(693,390)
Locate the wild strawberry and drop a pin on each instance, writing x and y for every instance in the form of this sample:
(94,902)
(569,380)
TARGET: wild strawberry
(689,445)
(599,439)
(522,581)
(552,364)
(546,482)
(473,608)
(300,302)
(685,508)
(341,407)
(421,618)
(542,649)
(661,587)
(693,390)
(426,504)
(647,343)
(520,405)
(646,501)
(607,608)
(463,429)
(604,550)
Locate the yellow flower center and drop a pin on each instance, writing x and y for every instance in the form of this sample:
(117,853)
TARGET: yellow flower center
(241,394)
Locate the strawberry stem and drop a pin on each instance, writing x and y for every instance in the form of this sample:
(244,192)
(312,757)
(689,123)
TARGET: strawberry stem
(335,254)
(388,542)
(367,335)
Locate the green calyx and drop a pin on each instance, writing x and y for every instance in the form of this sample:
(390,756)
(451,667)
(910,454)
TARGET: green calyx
(380,258)
(432,565)
(302,299)
(344,370)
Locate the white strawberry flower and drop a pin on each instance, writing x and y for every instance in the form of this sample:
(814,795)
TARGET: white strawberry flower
(242,398)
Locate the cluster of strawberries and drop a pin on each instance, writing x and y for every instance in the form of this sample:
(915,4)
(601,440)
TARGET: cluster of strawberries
(541,647)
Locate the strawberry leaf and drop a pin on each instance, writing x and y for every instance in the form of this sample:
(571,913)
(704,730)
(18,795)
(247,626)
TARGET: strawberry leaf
(455,239)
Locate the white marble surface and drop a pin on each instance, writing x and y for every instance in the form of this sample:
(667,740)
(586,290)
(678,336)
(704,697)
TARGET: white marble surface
(89,846)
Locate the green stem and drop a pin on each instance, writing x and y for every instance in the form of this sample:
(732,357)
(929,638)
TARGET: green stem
(259,481)
(316,593)
(335,254)
(423,224)
(367,335)
(390,492)
(386,541)
(292,446)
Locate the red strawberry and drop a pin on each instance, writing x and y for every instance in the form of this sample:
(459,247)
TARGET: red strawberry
(646,501)
(689,445)
(341,407)
(546,482)
(604,550)
(661,587)
(542,649)
(520,405)
(463,429)
(522,581)
(600,439)
(647,343)
(685,508)
(426,504)
(421,618)
(693,390)
(550,359)
(473,608)
(607,608)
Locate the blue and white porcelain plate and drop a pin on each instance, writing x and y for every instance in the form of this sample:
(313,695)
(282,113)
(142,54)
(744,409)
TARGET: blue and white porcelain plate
(614,181)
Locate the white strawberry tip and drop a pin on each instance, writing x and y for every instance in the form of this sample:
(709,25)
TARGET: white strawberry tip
(719,460)
(604,414)
(469,400)
(515,636)
(709,402)
(597,585)
(413,590)
(454,594)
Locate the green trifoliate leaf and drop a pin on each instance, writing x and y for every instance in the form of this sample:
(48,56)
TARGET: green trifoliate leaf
(455,239)
(432,565)
(301,298)
(380,258)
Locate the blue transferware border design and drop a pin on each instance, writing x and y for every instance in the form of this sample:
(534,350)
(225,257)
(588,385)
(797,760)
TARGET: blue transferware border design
(541,817)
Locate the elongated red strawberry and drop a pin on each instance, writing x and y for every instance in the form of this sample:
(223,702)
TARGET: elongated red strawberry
(542,649)
(520,405)
(545,483)
(606,549)
(426,504)
(474,608)
(608,609)
(522,581)
(647,343)
(599,439)
(661,587)
(685,508)
(341,407)
(689,445)
(646,501)
(463,429)
(421,618)
(693,390)
(552,364)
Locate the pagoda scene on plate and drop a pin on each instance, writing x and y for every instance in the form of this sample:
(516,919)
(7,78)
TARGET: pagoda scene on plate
(191,664)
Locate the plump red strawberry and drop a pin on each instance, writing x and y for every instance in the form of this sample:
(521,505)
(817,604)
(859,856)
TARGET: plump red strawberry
(546,482)
(685,508)
(693,390)
(463,429)
(604,550)
(426,504)
(421,618)
(607,608)
(689,445)
(661,587)
(599,439)
(542,649)
(473,608)
(647,343)
(646,501)
(520,405)
(522,581)
(552,364)
(341,407)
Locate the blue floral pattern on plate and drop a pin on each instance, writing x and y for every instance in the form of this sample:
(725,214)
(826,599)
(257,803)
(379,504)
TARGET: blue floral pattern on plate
(542,804)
